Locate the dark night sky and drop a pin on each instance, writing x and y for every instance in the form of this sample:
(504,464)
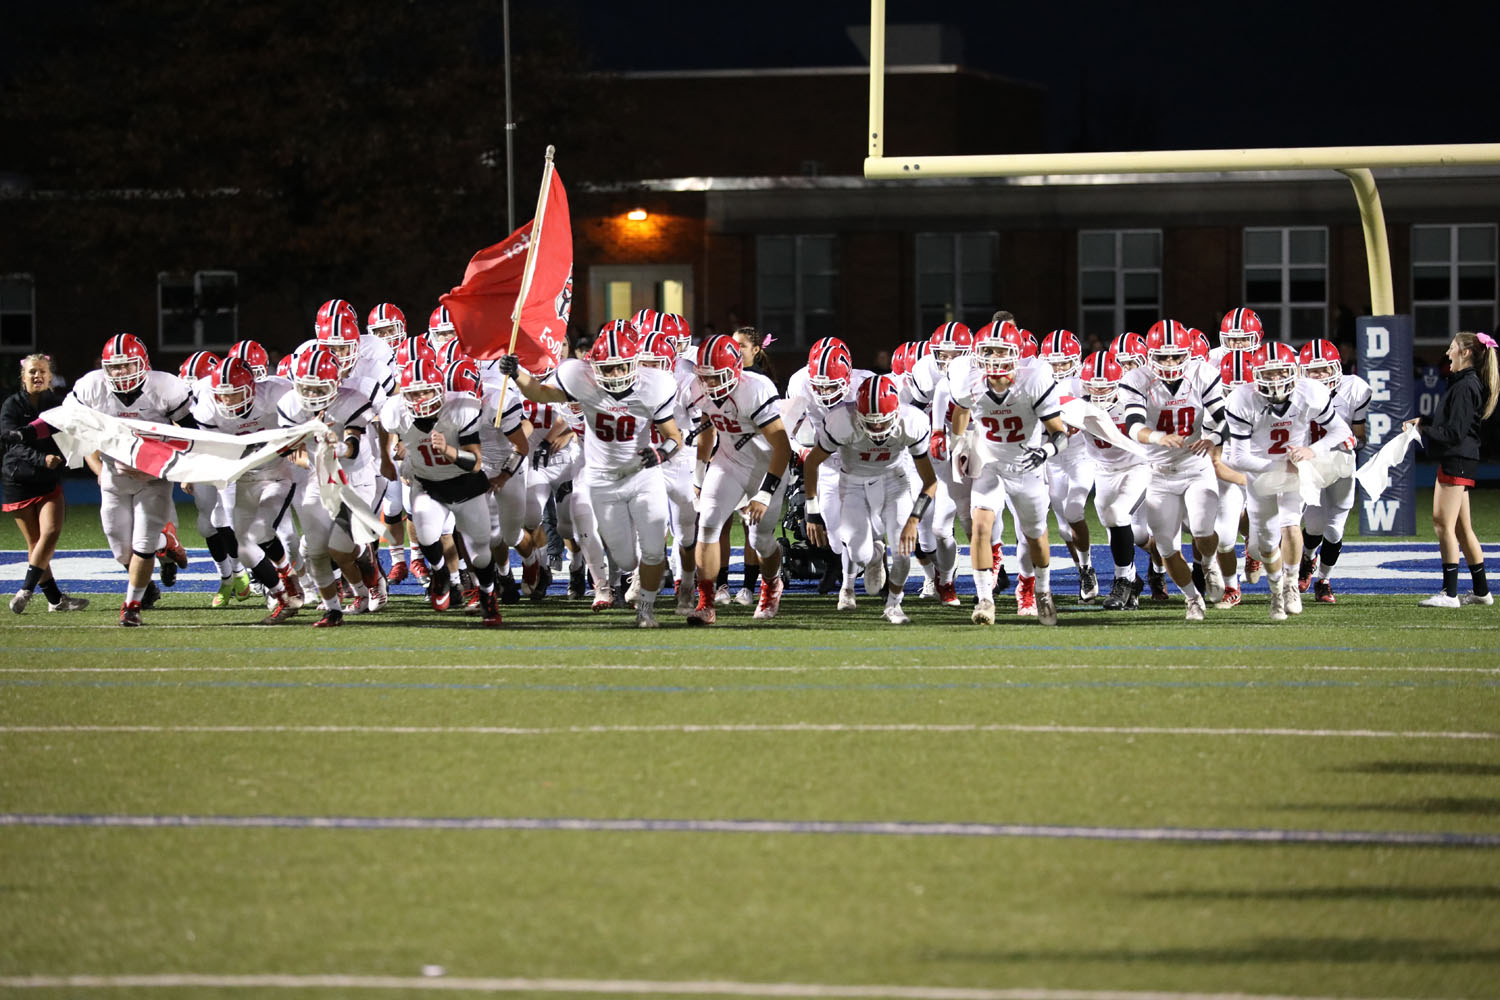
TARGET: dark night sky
(1135,76)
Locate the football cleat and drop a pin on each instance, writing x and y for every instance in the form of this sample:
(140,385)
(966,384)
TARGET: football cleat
(489,608)
(397,572)
(895,615)
(419,570)
(359,606)
(948,594)
(1157,580)
(130,614)
(332,618)
(1046,609)
(292,587)
(1440,600)
(471,599)
(1323,594)
(1231,599)
(530,574)
(19,602)
(282,612)
(984,613)
(1293,595)
(380,594)
(1470,598)
(1278,602)
(604,598)
(577,584)
(685,598)
(1252,570)
(543,581)
(509,590)
(174,548)
(1088,584)
(1195,609)
(1026,597)
(225,594)
(722,595)
(439,597)
(742,597)
(1119,592)
(832,578)
(72,604)
(770,599)
(1304,574)
(633,592)
(703,614)
(241,586)
(1213,577)
(645,616)
(167,568)
(152,595)
(1133,602)
(847,601)
(929,589)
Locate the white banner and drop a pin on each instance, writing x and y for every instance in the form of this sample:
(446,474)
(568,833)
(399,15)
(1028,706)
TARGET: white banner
(335,492)
(1375,475)
(166,451)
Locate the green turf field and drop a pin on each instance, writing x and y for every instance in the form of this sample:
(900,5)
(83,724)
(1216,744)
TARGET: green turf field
(1078,761)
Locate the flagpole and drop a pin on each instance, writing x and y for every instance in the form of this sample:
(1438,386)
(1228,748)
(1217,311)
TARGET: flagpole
(526,274)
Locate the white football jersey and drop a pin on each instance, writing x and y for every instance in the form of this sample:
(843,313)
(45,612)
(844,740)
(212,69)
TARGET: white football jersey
(495,448)
(458,421)
(1005,423)
(843,435)
(1104,454)
(1352,400)
(1273,430)
(804,415)
(922,381)
(617,427)
(1189,408)
(262,416)
(1074,456)
(738,419)
(163,398)
(350,409)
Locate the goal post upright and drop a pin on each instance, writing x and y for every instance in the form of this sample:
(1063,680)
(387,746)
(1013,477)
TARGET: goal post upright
(1355,162)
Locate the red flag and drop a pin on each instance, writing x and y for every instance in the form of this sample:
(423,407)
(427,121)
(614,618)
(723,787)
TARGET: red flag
(483,306)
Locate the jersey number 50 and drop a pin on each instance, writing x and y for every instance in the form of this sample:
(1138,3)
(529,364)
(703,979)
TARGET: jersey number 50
(608,428)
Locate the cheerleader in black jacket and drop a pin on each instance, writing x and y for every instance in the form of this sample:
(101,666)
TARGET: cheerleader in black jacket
(1452,437)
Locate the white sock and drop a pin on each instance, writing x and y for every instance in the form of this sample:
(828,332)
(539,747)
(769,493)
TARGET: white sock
(226,567)
(1085,558)
(398,555)
(984,584)
(133,595)
(1324,570)
(1190,592)
(1044,579)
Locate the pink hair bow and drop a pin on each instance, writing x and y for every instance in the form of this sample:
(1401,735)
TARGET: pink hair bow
(769,340)
(1483,338)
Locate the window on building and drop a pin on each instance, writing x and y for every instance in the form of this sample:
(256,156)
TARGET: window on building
(197,311)
(17,312)
(955,279)
(1453,280)
(797,280)
(1286,281)
(1119,281)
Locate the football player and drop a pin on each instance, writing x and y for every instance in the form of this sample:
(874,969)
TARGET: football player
(1070,474)
(1120,480)
(928,388)
(1271,430)
(1323,522)
(659,351)
(1017,428)
(1234,371)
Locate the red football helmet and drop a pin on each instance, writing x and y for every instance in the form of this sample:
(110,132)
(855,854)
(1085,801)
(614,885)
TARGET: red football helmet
(1101,378)
(1274,371)
(878,407)
(614,357)
(254,356)
(422,388)
(1240,330)
(330,312)
(233,387)
(948,342)
(1235,368)
(440,328)
(658,350)
(901,359)
(1168,349)
(1200,347)
(284,366)
(1063,352)
(998,348)
(340,337)
(463,376)
(388,323)
(828,371)
(315,377)
(125,362)
(1028,343)
(719,367)
(452,353)
(415,348)
(1129,350)
(644,321)
(1319,360)
(199,364)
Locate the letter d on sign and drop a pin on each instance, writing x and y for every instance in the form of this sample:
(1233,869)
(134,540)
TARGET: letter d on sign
(1377,342)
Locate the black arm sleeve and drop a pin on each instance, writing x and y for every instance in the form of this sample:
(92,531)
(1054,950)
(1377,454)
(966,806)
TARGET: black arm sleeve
(187,420)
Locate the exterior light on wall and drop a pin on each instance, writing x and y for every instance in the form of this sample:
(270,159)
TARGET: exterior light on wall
(636,215)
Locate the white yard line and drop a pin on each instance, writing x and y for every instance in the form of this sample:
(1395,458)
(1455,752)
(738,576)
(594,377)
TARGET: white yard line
(205,668)
(708,988)
(790,727)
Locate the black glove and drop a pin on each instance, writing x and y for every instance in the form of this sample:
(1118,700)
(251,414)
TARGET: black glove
(1034,458)
(542,454)
(12,437)
(652,457)
(508,365)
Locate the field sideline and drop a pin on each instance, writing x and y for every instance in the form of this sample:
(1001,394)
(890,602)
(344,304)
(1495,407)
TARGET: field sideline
(1124,806)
